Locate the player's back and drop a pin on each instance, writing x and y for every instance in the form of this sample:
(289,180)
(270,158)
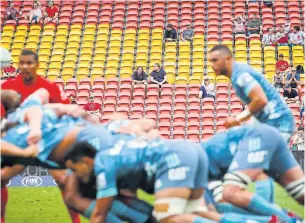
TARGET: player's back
(244,78)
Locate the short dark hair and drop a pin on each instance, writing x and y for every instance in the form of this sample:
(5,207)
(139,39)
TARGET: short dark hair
(223,48)
(281,55)
(80,150)
(297,28)
(169,25)
(301,128)
(29,53)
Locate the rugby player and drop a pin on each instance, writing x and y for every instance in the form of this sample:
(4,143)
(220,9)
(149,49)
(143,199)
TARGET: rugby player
(242,154)
(262,99)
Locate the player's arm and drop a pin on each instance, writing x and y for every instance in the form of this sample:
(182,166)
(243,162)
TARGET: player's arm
(8,149)
(101,209)
(72,197)
(58,96)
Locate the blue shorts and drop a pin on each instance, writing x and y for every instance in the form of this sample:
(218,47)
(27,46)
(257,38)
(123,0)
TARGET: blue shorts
(263,149)
(186,165)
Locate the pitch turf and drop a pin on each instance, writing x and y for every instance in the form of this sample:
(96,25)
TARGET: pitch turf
(44,205)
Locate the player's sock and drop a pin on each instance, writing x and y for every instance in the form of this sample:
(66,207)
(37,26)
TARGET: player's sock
(73,215)
(261,206)
(89,210)
(265,189)
(111,218)
(4,199)
(203,220)
(227,207)
(126,213)
(238,218)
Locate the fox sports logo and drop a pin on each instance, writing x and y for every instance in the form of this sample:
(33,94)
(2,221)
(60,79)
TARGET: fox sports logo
(31,181)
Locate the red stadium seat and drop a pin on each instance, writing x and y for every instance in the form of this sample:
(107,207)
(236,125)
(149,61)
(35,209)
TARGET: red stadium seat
(179,118)
(222,116)
(127,81)
(208,102)
(152,88)
(84,88)
(125,96)
(123,110)
(236,108)
(180,102)
(165,134)
(152,95)
(194,102)
(151,110)
(165,102)
(138,95)
(194,110)
(222,109)
(124,103)
(164,126)
(208,117)
(70,90)
(151,116)
(166,94)
(137,111)
(193,118)
(165,117)
(180,95)
(72,82)
(179,134)
(99,81)
(151,102)
(193,126)
(132,117)
(193,135)
(167,87)
(165,110)
(111,89)
(137,103)
(98,96)
(207,133)
(109,103)
(207,109)
(178,126)
(208,125)
(110,96)
(179,110)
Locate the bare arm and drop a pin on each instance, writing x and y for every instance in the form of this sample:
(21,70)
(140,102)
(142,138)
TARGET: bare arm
(8,149)
(100,211)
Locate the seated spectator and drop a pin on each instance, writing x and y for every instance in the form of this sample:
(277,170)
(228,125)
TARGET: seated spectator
(72,98)
(93,107)
(239,25)
(187,34)
(35,15)
(254,25)
(170,33)
(290,94)
(296,37)
(268,38)
(158,75)
(10,71)
(282,36)
(297,142)
(294,79)
(282,65)
(207,90)
(139,76)
(11,13)
(278,80)
(300,69)
(51,13)
(268,3)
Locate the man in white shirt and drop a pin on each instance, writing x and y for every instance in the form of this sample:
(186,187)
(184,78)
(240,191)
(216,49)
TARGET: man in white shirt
(268,38)
(296,36)
(35,14)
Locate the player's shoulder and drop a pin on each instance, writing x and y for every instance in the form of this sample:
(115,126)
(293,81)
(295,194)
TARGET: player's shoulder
(46,82)
(10,83)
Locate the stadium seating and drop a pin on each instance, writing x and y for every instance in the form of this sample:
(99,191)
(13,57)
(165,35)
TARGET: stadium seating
(97,45)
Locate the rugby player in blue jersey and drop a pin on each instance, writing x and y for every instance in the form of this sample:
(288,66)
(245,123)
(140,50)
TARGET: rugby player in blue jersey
(263,101)
(242,154)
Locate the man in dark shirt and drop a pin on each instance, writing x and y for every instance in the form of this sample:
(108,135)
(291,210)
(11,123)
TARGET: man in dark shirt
(290,94)
(139,76)
(158,75)
(170,33)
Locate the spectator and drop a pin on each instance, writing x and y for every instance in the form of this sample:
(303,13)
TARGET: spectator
(170,33)
(188,34)
(278,80)
(302,110)
(11,13)
(282,36)
(290,94)
(294,79)
(300,69)
(139,76)
(268,38)
(207,90)
(282,65)
(254,25)
(10,71)
(72,99)
(297,141)
(239,25)
(51,13)
(35,15)
(158,75)
(296,36)
(93,107)
(268,3)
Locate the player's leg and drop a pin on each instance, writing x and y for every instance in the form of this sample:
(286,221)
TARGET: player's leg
(264,187)
(6,174)
(60,178)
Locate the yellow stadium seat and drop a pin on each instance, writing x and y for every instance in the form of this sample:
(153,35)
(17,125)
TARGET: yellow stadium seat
(157,34)
(222,79)
(69,65)
(240,55)
(22,28)
(52,75)
(213,78)
(8,29)
(97,73)
(198,43)
(110,73)
(195,80)
(125,72)
(283,50)
(269,61)
(255,43)
(197,72)
(6,45)
(240,44)
(302,78)
(269,51)
(181,80)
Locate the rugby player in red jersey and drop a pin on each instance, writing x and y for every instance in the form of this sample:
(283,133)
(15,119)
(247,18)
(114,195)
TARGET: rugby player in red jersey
(25,84)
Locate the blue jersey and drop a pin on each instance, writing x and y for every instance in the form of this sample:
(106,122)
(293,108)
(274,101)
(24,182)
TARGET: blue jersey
(248,147)
(276,112)
(54,129)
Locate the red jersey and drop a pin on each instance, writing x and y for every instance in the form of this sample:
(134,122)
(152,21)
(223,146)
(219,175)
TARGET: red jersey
(16,84)
(282,65)
(92,106)
(51,11)
(9,69)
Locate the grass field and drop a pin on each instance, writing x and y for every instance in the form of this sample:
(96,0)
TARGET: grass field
(44,205)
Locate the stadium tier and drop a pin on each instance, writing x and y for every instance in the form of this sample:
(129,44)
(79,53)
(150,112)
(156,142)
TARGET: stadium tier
(96,46)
